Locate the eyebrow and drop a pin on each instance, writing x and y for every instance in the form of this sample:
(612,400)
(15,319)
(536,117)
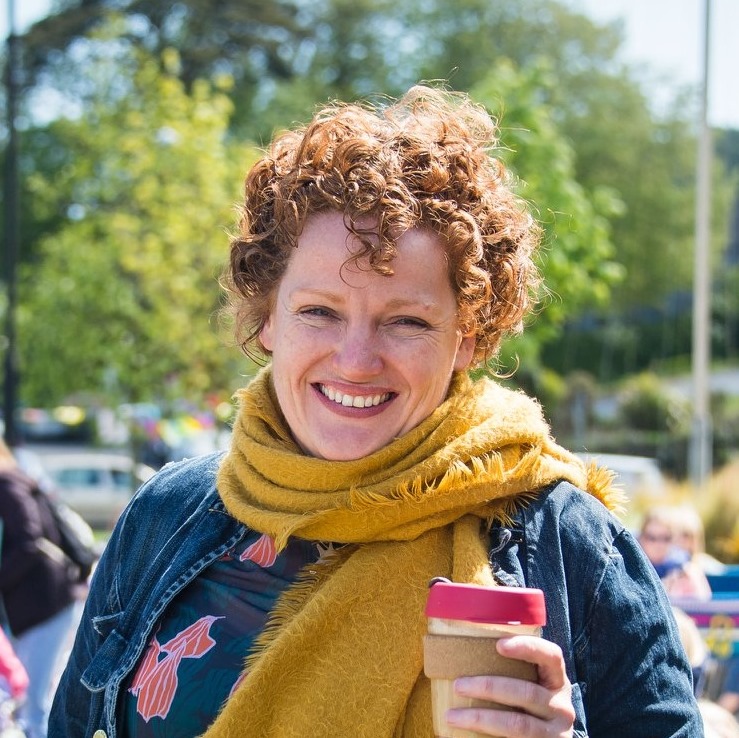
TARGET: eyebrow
(400,302)
(397,303)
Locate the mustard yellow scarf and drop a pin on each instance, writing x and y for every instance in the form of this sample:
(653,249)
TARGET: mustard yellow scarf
(342,653)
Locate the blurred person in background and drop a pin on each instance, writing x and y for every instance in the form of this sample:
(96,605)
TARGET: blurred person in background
(718,721)
(279,589)
(729,697)
(659,537)
(13,688)
(691,537)
(695,647)
(13,675)
(39,588)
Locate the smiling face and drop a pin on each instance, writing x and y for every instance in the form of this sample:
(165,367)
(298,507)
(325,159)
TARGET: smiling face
(359,358)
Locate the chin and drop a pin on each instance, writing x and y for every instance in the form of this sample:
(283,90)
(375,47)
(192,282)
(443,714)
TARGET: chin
(348,451)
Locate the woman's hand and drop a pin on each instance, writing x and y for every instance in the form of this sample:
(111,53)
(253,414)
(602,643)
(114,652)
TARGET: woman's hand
(546,706)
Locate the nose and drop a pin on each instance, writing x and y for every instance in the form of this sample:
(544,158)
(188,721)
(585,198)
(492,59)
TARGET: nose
(358,354)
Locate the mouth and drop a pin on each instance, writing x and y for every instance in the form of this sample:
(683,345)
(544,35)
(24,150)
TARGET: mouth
(347,400)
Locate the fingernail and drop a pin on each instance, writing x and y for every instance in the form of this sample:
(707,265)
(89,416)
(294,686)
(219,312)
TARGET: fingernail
(453,717)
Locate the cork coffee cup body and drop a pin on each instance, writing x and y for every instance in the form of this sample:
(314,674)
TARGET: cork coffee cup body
(464,623)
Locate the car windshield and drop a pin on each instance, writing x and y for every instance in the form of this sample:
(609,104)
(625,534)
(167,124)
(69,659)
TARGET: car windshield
(79,477)
(121,479)
(90,477)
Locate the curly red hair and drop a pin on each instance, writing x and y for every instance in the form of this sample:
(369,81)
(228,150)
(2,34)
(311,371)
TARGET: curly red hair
(423,161)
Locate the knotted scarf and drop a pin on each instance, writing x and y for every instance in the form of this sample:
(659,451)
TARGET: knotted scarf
(342,652)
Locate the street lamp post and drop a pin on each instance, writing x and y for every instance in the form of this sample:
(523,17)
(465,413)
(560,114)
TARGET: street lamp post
(701,440)
(12,235)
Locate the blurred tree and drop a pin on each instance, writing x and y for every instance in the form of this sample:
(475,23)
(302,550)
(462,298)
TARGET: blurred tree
(650,162)
(247,39)
(620,142)
(125,291)
(632,164)
(727,148)
(645,404)
(577,255)
(460,41)
(362,47)
(624,170)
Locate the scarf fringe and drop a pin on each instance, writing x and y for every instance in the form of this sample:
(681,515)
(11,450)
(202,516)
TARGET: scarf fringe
(600,484)
(292,600)
(485,469)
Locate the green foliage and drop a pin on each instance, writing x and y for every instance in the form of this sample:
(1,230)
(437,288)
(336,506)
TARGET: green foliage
(725,419)
(646,405)
(577,257)
(249,39)
(651,166)
(725,312)
(573,415)
(461,41)
(125,293)
(126,198)
(727,149)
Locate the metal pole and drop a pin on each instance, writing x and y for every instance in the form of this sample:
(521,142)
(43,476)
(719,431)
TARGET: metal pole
(701,441)
(12,236)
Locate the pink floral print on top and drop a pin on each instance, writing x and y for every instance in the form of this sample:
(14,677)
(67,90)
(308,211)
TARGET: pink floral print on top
(261,552)
(156,681)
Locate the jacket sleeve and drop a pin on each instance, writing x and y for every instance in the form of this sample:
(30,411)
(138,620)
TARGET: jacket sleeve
(76,706)
(633,671)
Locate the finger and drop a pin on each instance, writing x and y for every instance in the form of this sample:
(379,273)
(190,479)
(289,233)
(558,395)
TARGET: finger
(515,693)
(500,723)
(536,711)
(547,657)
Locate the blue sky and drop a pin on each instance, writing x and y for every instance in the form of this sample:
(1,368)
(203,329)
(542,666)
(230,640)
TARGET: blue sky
(26,11)
(666,35)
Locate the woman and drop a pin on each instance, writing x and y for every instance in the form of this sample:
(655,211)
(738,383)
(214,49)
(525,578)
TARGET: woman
(660,537)
(380,254)
(691,536)
(38,586)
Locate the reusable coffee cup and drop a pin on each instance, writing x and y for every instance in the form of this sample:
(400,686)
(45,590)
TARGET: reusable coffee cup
(464,623)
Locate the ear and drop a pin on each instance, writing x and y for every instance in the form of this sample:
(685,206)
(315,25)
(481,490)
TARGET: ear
(465,351)
(266,335)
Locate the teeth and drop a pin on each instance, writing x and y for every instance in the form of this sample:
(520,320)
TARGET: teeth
(352,400)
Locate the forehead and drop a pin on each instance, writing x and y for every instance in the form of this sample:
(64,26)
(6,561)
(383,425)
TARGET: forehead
(328,247)
(657,526)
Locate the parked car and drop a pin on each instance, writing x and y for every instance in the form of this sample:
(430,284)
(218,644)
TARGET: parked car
(96,485)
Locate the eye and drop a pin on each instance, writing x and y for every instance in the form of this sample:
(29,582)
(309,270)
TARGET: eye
(409,322)
(315,312)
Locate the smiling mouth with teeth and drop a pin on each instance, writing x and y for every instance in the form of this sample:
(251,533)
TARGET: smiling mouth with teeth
(353,400)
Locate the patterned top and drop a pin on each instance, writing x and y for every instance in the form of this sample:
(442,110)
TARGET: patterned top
(195,657)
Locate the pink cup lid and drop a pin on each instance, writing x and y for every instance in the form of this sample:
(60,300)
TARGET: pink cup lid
(452,601)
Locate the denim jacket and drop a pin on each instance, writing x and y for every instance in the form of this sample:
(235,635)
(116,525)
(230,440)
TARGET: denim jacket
(605,606)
